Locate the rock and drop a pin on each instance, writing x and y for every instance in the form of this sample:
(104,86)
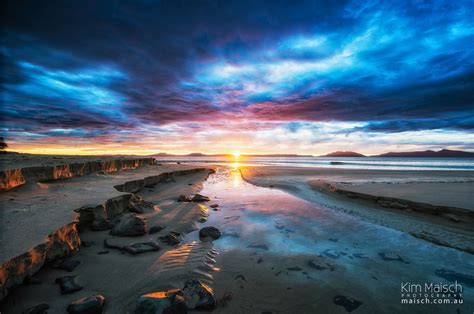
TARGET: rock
(138,248)
(214,206)
(101,225)
(87,305)
(258,246)
(184,198)
(129,225)
(392,257)
(103,252)
(198,295)
(133,249)
(170,239)
(348,303)
(208,234)
(171,301)
(139,205)
(155,229)
(320,263)
(452,275)
(200,198)
(398,205)
(67,265)
(68,285)
(39,309)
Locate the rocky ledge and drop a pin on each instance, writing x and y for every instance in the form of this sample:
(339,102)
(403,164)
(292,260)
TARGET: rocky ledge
(16,177)
(116,213)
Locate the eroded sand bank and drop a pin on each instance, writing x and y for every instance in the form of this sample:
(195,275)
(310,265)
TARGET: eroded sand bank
(278,253)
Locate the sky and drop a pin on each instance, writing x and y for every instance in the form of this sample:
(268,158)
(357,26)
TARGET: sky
(296,77)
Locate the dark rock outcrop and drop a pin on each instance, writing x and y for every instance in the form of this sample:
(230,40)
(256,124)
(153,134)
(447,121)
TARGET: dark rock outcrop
(56,246)
(200,198)
(68,284)
(16,177)
(348,303)
(156,229)
(184,198)
(133,249)
(208,234)
(88,305)
(198,295)
(129,225)
(170,239)
(138,248)
(171,301)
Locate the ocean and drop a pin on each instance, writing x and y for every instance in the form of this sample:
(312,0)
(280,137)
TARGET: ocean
(381,163)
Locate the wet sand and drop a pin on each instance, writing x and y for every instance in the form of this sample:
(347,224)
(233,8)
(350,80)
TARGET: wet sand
(280,252)
(449,188)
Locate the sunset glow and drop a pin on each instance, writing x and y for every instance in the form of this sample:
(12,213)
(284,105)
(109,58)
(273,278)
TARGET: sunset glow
(309,78)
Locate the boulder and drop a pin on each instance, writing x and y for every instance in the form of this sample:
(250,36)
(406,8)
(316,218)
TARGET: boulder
(138,248)
(171,301)
(198,295)
(200,198)
(139,205)
(133,249)
(170,239)
(156,229)
(184,198)
(209,234)
(68,285)
(100,225)
(39,309)
(348,303)
(129,225)
(88,305)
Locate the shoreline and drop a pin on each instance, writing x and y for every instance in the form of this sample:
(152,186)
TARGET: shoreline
(166,252)
(453,229)
(62,212)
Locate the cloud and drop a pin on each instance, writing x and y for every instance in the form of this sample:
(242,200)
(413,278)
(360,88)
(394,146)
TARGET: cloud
(109,67)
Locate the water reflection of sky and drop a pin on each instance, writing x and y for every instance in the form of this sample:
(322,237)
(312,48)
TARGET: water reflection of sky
(291,227)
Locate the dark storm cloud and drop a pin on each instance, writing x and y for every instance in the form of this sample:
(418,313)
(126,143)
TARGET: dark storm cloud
(102,65)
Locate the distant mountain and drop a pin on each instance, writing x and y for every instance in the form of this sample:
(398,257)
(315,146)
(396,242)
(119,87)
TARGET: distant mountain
(343,154)
(227,155)
(444,153)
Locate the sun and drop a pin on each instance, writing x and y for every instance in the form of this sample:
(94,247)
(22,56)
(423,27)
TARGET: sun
(236,154)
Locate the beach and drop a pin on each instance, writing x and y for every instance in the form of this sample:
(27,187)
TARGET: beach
(290,238)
